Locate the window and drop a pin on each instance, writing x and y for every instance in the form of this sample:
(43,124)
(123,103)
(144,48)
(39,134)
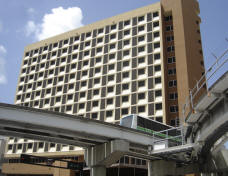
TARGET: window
(60,78)
(156,45)
(173,96)
(125,75)
(55,45)
(97,81)
(158,93)
(69,108)
(72,76)
(74,56)
(126,63)
(127,22)
(57,99)
(101,30)
(141,96)
(113,26)
(40,145)
(126,32)
(141,38)
(126,52)
(141,49)
(170,38)
(70,97)
(88,34)
(112,46)
(171,60)
(100,40)
(59,89)
(10,147)
(96,92)
(125,99)
(64,50)
(141,18)
(158,106)
(170,48)
(73,66)
(155,14)
(48,91)
(141,109)
(85,63)
(156,24)
(87,43)
(141,28)
(45,48)
(111,67)
(169,18)
(81,106)
(113,36)
(111,56)
(71,86)
(141,71)
(159,119)
(62,69)
(19,146)
(126,42)
(63,59)
(109,101)
(36,51)
(95,103)
(30,145)
(124,111)
(83,84)
(82,94)
(98,60)
(46,101)
(158,80)
(157,56)
(156,34)
(26,54)
(52,145)
(173,83)
(110,89)
(86,53)
(157,68)
(172,71)
(99,49)
(125,86)
(141,84)
(169,28)
(108,114)
(94,115)
(97,70)
(141,60)
(66,42)
(111,78)
(173,109)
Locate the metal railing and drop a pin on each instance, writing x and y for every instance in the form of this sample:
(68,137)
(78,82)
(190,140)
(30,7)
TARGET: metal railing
(203,81)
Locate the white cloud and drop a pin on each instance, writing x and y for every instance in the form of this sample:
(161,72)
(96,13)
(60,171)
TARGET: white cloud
(3,51)
(58,21)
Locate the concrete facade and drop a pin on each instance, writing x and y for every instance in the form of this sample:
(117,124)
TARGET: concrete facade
(2,151)
(141,62)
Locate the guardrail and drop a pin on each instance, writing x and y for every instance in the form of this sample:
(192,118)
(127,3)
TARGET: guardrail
(203,81)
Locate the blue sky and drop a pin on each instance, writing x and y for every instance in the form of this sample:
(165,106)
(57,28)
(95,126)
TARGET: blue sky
(26,21)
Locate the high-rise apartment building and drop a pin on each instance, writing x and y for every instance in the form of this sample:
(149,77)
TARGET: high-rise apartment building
(141,62)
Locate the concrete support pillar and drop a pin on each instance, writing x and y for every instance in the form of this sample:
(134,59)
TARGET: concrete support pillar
(98,171)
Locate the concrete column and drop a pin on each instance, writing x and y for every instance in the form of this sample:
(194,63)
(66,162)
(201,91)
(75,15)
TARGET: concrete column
(98,171)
